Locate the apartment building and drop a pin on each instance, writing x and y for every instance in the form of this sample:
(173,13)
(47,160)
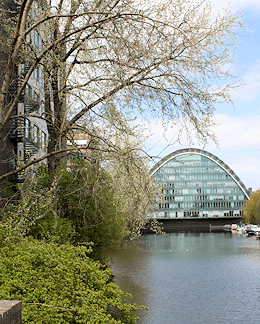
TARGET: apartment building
(26,134)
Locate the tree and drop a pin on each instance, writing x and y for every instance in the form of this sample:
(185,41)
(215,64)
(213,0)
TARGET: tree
(252,208)
(135,191)
(86,197)
(104,202)
(30,208)
(124,56)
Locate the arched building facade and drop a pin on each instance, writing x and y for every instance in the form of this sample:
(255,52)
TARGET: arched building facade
(196,183)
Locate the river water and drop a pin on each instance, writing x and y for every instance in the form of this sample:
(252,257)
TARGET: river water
(192,278)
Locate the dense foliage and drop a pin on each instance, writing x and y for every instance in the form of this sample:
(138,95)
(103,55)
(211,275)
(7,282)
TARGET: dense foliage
(83,202)
(46,228)
(60,284)
(86,198)
(252,209)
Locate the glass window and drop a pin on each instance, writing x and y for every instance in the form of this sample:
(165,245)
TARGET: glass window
(200,181)
(36,38)
(35,133)
(36,97)
(43,115)
(27,128)
(50,89)
(44,140)
(28,38)
(28,91)
(36,7)
(42,79)
(20,155)
(36,73)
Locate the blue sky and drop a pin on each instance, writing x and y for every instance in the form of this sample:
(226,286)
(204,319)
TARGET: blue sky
(238,129)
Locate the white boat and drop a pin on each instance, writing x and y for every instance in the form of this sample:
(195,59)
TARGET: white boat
(227,227)
(240,229)
(234,227)
(252,230)
(230,227)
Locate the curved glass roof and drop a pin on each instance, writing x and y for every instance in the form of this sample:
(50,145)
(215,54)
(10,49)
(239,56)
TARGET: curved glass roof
(211,156)
(196,183)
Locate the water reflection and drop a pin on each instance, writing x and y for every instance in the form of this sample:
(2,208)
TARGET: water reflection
(192,277)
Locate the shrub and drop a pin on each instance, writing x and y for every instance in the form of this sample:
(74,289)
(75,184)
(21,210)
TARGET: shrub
(86,197)
(60,284)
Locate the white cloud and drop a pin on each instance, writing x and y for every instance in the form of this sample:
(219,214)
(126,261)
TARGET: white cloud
(237,5)
(237,134)
(246,167)
(234,134)
(158,136)
(239,144)
(252,90)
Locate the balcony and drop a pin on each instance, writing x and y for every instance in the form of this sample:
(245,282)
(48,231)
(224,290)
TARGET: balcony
(30,149)
(17,130)
(22,132)
(31,106)
(15,86)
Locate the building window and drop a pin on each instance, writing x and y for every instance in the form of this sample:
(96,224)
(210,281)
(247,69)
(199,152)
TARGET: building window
(36,73)
(44,140)
(36,38)
(28,91)
(28,37)
(166,214)
(36,8)
(42,74)
(50,91)
(36,97)
(27,128)
(200,184)
(20,154)
(43,115)
(35,133)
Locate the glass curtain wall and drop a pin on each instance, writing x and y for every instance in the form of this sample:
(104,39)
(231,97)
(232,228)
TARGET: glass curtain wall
(195,185)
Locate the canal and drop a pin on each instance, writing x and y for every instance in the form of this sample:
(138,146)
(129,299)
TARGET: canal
(192,277)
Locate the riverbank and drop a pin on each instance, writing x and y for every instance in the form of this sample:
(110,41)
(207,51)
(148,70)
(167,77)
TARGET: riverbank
(205,224)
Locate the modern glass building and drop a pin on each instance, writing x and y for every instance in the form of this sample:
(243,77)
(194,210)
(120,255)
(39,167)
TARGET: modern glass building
(196,183)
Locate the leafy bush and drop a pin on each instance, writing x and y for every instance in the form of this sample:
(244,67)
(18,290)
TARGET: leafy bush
(86,197)
(60,284)
(31,202)
(83,202)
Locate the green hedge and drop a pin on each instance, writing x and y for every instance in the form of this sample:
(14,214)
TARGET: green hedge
(60,284)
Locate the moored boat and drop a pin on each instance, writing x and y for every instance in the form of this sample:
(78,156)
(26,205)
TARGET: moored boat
(230,227)
(227,227)
(240,229)
(252,230)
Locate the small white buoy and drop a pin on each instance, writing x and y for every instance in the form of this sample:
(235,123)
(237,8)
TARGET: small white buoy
(187,250)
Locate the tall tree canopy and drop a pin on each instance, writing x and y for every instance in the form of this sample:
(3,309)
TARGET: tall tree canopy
(156,59)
